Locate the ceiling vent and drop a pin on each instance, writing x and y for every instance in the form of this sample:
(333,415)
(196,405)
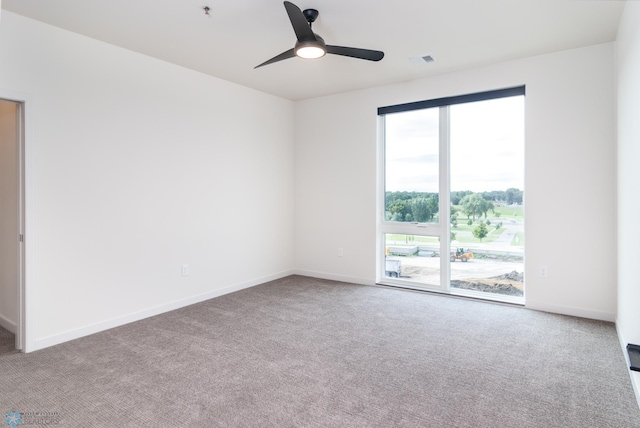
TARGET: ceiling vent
(421,59)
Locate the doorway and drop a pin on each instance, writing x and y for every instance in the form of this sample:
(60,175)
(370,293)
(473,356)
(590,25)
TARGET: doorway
(11,225)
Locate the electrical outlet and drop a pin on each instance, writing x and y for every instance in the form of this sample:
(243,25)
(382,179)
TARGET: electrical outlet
(544,272)
(185,270)
(340,252)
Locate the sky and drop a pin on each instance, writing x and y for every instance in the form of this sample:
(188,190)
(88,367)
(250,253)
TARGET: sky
(486,150)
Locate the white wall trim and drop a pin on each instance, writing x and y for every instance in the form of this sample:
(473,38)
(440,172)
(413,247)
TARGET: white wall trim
(7,324)
(333,277)
(635,376)
(150,312)
(569,310)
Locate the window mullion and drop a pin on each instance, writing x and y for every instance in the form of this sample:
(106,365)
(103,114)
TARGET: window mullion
(444,200)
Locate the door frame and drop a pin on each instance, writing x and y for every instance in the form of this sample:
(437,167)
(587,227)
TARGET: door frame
(24,341)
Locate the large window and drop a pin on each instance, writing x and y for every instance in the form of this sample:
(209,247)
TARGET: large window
(451,199)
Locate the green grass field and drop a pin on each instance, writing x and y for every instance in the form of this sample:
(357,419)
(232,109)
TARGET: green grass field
(510,212)
(516,213)
(505,213)
(518,239)
(398,239)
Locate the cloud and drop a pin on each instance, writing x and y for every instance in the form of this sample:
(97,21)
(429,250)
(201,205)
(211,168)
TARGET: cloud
(486,147)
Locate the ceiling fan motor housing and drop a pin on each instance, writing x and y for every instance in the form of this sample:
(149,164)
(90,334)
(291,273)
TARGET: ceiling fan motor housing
(311,15)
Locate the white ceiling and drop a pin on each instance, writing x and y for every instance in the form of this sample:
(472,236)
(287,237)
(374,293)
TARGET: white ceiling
(238,35)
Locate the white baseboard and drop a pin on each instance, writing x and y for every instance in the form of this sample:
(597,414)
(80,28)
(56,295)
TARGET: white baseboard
(544,307)
(333,277)
(635,376)
(150,312)
(7,324)
(569,310)
(538,306)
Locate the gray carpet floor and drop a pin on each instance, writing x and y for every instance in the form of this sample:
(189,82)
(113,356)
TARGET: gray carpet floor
(7,341)
(303,352)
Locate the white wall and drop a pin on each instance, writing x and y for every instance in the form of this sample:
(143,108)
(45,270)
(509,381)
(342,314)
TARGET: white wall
(570,175)
(9,216)
(628,79)
(139,166)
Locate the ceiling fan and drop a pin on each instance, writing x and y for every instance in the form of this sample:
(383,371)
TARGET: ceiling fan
(310,45)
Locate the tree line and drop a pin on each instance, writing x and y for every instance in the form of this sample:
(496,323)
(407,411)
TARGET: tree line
(510,196)
(423,206)
(411,206)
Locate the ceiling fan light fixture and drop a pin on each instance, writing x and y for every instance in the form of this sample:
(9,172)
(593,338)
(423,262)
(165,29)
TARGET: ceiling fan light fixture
(311,49)
(310,52)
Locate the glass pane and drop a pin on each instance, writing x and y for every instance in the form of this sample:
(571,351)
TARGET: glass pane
(413,258)
(411,166)
(487,182)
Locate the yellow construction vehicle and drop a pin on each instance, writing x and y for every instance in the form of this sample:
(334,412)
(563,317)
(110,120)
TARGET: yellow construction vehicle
(461,254)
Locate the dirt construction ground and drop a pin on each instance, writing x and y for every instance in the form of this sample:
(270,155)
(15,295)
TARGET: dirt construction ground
(504,277)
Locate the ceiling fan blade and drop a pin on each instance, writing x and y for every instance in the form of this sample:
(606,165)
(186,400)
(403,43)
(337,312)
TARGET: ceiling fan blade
(299,22)
(356,53)
(284,55)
